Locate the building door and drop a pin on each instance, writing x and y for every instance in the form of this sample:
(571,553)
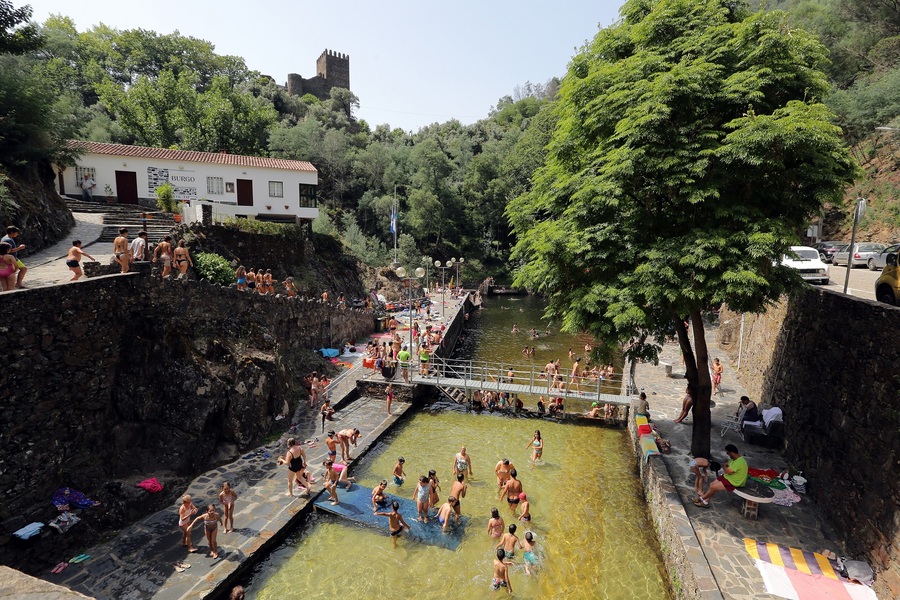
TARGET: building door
(126,187)
(245,192)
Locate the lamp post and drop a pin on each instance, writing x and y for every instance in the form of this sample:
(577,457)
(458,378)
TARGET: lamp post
(858,210)
(459,263)
(447,265)
(401,273)
(426,260)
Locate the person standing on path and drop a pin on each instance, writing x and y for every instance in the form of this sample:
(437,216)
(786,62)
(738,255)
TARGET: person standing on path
(686,404)
(346,437)
(185,512)
(211,520)
(12,232)
(330,480)
(295,459)
(404,357)
(331,442)
(389,394)
(717,369)
(121,249)
(182,260)
(73,259)
(163,252)
(226,498)
(138,247)
(8,270)
(87,187)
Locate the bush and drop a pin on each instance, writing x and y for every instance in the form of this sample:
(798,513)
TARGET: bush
(262,227)
(165,198)
(214,268)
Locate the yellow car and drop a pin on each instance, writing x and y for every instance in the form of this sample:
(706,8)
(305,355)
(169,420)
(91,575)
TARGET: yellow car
(887,287)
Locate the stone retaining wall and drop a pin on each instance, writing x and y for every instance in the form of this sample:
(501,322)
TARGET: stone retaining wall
(122,375)
(830,362)
(688,569)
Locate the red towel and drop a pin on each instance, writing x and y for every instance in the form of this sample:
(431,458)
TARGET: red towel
(644,430)
(151,485)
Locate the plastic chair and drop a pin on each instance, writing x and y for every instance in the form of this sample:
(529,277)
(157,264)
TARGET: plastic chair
(733,422)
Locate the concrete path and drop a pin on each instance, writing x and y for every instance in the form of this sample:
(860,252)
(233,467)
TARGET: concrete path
(721,528)
(48,267)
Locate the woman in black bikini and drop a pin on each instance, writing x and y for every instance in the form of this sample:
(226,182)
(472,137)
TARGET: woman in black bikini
(182,259)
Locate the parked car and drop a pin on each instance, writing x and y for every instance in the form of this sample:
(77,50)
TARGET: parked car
(887,286)
(827,249)
(807,261)
(861,254)
(878,262)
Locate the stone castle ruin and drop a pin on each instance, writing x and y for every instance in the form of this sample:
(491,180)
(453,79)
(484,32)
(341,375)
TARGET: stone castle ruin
(332,70)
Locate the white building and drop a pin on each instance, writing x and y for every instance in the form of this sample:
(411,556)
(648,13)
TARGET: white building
(216,186)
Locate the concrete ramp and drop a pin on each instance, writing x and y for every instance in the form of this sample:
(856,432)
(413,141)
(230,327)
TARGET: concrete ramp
(356,505)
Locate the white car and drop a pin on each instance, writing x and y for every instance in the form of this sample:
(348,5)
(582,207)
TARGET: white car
(807,261)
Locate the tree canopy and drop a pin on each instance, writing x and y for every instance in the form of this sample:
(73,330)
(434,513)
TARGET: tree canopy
(691,148)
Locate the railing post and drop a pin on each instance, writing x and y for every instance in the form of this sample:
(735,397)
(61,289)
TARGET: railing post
(499,376)
(531,384)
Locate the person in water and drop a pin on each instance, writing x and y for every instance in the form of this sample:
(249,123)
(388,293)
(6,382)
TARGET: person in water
(446,511)
(524,508)
(528,556)
(422,496)
(511,491)
(509,542)
(537,446)
(379,497)
(495,524)
(462,463)
(395,521)
(501,573)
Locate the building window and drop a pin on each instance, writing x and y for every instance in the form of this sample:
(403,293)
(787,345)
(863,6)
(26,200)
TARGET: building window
(307,196)
(215,186)
(82,172)
(276,189)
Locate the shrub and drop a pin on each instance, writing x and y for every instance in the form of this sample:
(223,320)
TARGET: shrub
(165,198)
(214,268)
(262,227)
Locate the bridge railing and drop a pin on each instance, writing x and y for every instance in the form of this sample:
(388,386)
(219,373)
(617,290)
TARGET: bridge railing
(490,376)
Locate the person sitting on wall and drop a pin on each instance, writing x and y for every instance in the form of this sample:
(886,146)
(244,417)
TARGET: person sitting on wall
(751,411)
(736,470)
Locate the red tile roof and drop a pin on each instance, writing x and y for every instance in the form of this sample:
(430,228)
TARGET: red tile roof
(190,156)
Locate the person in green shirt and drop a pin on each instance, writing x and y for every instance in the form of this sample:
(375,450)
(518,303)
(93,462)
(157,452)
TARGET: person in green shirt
(735,476)
(403,356)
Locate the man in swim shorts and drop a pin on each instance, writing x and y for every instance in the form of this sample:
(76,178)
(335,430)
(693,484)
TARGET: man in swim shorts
(528,556)
(511,490)
(331,442)
(501,573)
(458,491)
(445,512)
(379,498)
(395,521)
(509,541)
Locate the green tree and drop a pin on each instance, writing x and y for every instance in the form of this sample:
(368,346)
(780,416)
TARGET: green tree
(690,150)
(17,34)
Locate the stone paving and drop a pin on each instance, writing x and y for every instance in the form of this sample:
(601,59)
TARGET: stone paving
(721,528)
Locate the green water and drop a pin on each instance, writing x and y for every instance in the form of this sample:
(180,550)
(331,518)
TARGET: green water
(594,537)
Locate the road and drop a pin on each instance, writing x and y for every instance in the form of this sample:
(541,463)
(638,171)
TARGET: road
(862,281)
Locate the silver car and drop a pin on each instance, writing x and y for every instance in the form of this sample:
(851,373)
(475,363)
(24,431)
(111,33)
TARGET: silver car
(861,254)
(878,262)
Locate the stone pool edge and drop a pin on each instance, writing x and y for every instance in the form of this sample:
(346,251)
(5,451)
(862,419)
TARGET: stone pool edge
(690,575)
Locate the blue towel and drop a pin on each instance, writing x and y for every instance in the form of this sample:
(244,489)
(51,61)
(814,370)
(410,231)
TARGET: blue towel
(29,531)
(330,352)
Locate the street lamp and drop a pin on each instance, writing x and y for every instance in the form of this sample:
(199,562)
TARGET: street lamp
(459,263)
(858,210)
(447,265)
(426,260)
(401,273)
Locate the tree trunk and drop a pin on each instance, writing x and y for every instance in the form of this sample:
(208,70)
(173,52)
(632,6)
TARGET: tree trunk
(697,374)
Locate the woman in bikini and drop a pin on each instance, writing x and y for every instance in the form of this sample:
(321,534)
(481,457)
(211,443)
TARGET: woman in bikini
(163,253)
(8,268)
(211,520)
(295,459)
(434,482)
(289,287)
(241,276)
(251,280)
(537,447)
(73,259)
(495,525)
(185,512)
(261,282)
(182,259)
(227,497)
(267,282)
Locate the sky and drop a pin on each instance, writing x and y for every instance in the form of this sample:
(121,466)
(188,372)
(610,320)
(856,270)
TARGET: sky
(412,62)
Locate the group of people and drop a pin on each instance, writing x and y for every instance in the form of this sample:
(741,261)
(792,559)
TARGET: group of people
(211,520)
(12,269)
(317,385)
(126,252)
(261,282)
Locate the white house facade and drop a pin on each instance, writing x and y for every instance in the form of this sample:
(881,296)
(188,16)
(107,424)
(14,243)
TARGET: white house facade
(211,186)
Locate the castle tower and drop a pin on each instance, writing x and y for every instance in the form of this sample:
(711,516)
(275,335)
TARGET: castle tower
(334,68)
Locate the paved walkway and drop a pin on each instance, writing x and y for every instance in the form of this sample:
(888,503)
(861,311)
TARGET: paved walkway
(48,267)
(721,529)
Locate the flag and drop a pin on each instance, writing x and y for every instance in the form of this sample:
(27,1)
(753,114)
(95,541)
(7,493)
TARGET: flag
(394,220)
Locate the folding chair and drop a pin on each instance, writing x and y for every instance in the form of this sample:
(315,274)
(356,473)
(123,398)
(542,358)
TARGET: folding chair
(733,422)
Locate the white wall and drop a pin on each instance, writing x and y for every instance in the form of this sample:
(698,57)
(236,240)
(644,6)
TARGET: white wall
(189,179)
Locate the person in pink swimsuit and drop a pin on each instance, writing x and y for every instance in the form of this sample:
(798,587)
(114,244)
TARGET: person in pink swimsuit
(8,267)
(226,498)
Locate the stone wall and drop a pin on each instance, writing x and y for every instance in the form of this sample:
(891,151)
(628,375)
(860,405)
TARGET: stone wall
(123,375)
(36,208)
(831,363)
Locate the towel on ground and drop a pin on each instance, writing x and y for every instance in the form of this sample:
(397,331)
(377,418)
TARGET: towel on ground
(648,446)
(330,352)
(29,531)
(65,498)
(63,522)
(772,414)
(152,485)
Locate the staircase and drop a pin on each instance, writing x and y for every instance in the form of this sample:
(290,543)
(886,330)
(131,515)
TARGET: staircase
(453,394)
(158,224)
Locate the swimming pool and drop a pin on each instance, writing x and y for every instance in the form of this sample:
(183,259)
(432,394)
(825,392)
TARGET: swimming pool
(594,535)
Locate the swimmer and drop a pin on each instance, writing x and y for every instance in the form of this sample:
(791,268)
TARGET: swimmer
(524,508)
(211,520)
(226,498)
(537,446)
(295,459)
(462,463)
(511,491)
(501,573)
(458,490)
(445,512)
(399,475)
(421,495)
(185,512)
(515,328)
(395,521)
(330,480)
(331,442)
(528,555)
(379,498)
(495,524)
(509,542)
(435,484)
(594,413)
(343,475)
(502,472)
(346,437)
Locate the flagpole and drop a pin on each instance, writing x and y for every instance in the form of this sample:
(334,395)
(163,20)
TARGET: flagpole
(395,211)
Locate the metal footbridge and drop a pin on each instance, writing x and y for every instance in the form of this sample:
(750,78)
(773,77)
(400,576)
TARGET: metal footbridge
(468,376)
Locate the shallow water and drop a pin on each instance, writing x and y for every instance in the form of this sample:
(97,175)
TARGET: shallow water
(593,533)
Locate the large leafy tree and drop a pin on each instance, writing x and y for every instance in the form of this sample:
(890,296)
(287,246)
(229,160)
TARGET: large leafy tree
(17,34)
(691,149)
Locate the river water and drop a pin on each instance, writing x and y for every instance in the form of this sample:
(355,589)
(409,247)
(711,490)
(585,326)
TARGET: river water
(594,535)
